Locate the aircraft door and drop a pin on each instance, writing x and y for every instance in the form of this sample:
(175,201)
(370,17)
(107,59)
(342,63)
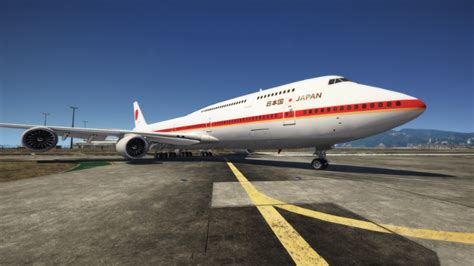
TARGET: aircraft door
(289,116)
(209,125)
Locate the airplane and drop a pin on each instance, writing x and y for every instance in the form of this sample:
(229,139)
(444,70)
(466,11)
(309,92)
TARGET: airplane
(318,112)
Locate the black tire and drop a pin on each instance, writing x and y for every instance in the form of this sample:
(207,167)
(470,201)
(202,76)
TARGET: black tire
(319,164)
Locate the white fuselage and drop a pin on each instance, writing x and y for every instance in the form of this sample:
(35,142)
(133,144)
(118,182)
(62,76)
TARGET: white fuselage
(308,113)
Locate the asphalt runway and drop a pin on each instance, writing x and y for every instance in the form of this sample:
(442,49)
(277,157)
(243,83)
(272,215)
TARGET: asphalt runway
(260,209)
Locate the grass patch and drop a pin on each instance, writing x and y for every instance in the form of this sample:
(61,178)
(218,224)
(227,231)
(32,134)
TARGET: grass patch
(89,164)
(10,171)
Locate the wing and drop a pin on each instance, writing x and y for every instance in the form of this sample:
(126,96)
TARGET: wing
(91,134)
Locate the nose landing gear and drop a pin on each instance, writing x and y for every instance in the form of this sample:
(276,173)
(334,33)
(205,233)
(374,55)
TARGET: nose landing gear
(320,163)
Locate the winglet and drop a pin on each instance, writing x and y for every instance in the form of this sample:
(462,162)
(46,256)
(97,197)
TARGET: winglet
(138,116)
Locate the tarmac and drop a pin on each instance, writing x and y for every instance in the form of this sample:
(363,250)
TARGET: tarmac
(263,209)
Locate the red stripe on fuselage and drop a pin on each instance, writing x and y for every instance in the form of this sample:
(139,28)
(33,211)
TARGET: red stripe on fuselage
(320,111)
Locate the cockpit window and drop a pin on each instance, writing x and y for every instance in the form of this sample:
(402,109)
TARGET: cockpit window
(333,81)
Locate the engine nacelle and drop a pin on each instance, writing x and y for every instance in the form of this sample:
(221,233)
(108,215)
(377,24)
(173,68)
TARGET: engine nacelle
(132,146)
(39,139)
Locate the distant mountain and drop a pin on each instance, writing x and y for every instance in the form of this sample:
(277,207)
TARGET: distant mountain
(415,138)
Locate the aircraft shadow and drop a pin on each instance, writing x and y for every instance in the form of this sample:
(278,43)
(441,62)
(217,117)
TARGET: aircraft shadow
(242,159)
(340,168)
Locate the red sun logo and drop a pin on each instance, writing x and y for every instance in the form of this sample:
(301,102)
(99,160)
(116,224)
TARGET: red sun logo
(290,100)
(136,114)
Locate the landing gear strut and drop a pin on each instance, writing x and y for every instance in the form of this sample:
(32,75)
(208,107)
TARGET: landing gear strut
(320,163)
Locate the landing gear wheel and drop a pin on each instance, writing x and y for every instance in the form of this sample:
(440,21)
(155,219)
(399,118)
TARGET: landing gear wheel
(319,164)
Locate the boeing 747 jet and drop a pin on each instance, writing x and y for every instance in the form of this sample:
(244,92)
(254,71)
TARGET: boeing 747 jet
(318,112)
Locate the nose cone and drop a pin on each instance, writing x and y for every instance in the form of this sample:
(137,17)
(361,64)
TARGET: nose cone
(410,109)
(420,104)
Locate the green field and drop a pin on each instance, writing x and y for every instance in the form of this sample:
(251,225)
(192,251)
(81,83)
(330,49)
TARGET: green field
(89,164)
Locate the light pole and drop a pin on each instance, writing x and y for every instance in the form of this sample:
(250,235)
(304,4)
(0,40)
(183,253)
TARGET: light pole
(85,123)
(73,113)
(45,118)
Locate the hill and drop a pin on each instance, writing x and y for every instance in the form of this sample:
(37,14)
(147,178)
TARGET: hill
(415,138)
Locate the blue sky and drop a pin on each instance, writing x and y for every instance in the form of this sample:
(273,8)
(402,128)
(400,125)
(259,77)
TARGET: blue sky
(177,56)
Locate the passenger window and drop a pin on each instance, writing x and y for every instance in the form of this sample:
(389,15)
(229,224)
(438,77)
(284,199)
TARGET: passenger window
(315,111)
(372,105)
(293,90)
(364,106)
(389,104)
(310,111)
(349,107)
(328,109)
(341,108)
(356,106)
(304,112)
(334,108)
(322,110)
(398,103)
(380,104)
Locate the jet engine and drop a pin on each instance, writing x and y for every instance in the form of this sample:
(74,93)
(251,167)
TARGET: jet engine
(132,146)
(39,139)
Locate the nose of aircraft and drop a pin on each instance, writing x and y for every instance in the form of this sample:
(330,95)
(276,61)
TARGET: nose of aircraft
(414,107)
(420,104)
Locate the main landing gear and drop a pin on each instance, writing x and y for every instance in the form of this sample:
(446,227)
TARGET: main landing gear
(206,154)
(320,163)
(161,155)
(167,155)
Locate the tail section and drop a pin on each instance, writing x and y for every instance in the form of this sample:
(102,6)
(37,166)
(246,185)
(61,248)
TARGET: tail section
(140,122)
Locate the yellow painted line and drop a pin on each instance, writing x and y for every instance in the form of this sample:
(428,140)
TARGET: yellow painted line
(300,251)
(333,218)
(459,237)
(262,199)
